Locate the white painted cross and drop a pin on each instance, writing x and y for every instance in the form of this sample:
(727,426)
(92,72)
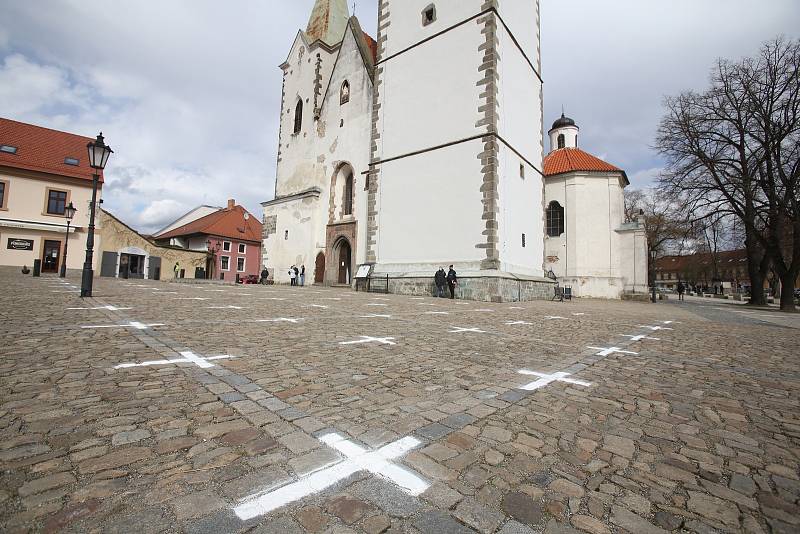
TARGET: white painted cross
(192,298)
(437,313)
(578,314)
(459,330)
(132,324)
(376,316)
(378,305)
(545,379)
(553,317)
(483,310)
(378,462)
(316,306)
(279,320)
(510,323)
(655,328)
(188,357)
(271,298)
(224,308)
(109,308)
(368,339)
(608,351)
(640,337)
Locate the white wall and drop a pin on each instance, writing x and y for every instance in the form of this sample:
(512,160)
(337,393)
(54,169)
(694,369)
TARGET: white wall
(406,27)
(570,137)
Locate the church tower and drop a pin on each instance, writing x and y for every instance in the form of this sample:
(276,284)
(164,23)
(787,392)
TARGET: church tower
(455,173)
(563,134)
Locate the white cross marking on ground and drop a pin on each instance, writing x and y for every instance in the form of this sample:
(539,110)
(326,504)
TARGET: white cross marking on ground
(133,324)
(214,290)
(640,337)
(378,305)
(279,320)
(109,308)
(331,298)
(483,310)
(553,317)
(270,298)
(518,322)
(545,379)
(459,330)
(378,462)
(666,322)
(224,308)
(437,313)
(608,351)
(188,357)
(368,339)
(578,314)
(516,308)
(376,316)
(193,298)
(655,328)
(316,306)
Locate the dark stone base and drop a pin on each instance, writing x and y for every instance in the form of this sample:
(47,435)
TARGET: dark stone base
(478,288)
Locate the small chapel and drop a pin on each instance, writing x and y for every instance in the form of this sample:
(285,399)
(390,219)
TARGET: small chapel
(424,147)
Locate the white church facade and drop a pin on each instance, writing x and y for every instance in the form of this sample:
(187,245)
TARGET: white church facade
(418,150)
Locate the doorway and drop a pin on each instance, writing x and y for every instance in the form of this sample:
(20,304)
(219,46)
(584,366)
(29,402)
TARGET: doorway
(52,255)
(344,262)
(319,269)
(131,266)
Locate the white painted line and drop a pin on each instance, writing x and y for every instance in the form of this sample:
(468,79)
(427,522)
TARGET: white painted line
(654,328)
(109,308)
(578,314)
(545,379)
(511,323)
(437,313)
(516,308)
(378,305)
(640,337)
(320,306)
(225,308)
(483,310)
(459,330)
(188,357)
(193,298)
(214,290)
(376,316)
(378,462)
(133,324)
(608,351)
(279,320)
(553,317)
(368,339)
(270,298)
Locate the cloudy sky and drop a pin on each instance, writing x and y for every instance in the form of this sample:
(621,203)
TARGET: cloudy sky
(187,92)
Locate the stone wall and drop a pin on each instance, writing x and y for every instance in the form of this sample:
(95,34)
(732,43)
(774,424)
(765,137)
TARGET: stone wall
(479,288)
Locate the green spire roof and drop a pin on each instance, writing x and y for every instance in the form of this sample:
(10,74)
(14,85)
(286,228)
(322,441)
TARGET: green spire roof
(328,21)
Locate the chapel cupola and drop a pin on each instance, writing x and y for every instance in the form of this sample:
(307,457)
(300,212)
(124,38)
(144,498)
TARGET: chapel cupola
(563,134)
(328,21)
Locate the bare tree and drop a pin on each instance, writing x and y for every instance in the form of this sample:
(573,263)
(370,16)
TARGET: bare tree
(733,150)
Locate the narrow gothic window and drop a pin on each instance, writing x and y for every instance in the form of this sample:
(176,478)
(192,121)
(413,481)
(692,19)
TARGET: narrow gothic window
(286,235)
(345,93)
(555,219)
(522,171)
(429,15)
(298,117)
(523,240)
(348,195)
(562,141)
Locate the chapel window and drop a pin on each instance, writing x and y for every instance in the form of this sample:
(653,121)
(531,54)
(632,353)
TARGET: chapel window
(429,15)
(562,141)
(555,219)
(344,97)
(298,117)
(348,195)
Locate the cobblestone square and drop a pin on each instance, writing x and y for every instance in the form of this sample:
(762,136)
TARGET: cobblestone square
(167,407)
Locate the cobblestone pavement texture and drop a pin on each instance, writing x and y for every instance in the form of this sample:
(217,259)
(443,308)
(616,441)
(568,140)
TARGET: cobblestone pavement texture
(693,426)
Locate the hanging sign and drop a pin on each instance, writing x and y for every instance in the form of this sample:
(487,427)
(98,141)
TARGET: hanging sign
(20,244)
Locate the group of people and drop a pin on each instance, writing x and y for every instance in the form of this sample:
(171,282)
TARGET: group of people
(449,279)
(297,276)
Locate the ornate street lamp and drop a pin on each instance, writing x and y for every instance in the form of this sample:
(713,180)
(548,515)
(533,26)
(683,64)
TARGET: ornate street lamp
(69,213)
(99,153)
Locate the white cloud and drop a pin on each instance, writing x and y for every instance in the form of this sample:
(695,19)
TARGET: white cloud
(645,178)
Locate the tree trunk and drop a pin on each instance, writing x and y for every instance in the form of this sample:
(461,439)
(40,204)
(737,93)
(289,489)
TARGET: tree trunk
(757,265)
(788,280)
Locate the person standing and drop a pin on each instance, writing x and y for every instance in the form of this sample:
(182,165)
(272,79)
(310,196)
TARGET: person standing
(264,276)
(440,279)
(292,276)
(452,281)
(681,290)
(177,269)
(302,275)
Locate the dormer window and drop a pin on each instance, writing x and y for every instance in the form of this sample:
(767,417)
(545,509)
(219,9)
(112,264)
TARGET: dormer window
(8,149)
(72,161)
(344,96)
(429,15)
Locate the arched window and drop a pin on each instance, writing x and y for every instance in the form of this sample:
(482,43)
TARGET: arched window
(555,219)
(298,117)
(562,141)
(344,96)
(348,195)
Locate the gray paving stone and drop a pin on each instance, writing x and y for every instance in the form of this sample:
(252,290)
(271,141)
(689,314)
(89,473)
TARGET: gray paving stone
(387,497)
(440,523)
(229,398)
(458,421)
(434,431)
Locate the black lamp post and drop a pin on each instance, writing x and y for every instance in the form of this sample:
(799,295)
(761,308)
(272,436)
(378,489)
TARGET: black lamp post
(69,213)
(98,157)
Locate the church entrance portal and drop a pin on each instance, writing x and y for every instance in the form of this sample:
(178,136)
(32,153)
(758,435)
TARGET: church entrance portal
(344,262)
(319,269)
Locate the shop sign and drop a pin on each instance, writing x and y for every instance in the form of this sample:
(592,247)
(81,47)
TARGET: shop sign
(20,244)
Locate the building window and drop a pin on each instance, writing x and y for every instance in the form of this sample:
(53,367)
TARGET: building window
(366,183)
(555,219)
(72,161)
(348,195)
(226,246)
(242,248)
(286,235)
(298,117)
(240,265)
(56,202)
(225,263)
(522,170)
(523,240)
(3,194)
(8,149)
(344,97)
(562,141)
(429,15)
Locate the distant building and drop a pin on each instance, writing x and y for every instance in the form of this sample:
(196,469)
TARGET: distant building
(588,243)
(125,253)
(726,270)
(41,172)
(232,237)
(186,218)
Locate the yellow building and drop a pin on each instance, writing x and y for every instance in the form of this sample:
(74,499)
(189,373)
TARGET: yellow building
(42,171)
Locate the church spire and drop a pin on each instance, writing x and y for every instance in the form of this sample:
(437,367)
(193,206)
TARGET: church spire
(328,21)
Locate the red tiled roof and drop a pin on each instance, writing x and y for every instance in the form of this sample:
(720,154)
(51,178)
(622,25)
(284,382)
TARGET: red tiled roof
(44,150)
(575,159)
(725,260)
(372,44)
(228,222)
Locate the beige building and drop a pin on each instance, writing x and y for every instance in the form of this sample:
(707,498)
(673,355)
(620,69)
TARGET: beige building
(124,253)
(42,171)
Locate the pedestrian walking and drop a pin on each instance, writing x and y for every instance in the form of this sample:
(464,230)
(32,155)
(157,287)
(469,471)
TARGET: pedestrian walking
(292,276)
(264,276)
(296,275)
(681,290)
(177,269)
(452,281)
(302,275)
(440,279)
